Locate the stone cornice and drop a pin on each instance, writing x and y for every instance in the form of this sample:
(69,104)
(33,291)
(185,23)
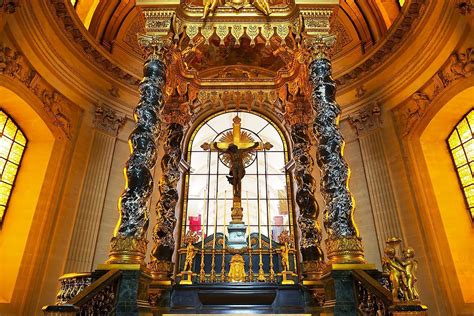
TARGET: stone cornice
(85,43)
(400,30)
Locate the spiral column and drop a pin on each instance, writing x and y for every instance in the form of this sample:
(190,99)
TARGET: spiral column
(310,239)
(128,244)
(161,265)
(343,243)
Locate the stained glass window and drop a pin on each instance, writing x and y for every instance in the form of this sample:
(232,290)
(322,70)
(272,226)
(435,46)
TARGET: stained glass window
(74,3)
(12,147)
(265,187)
(461,145)
(401,2)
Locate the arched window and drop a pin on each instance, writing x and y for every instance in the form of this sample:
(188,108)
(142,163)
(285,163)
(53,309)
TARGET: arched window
(12,146)
(461,145)
(265,187)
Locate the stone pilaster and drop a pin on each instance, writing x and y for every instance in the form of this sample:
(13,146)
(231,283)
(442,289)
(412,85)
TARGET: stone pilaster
(367,122)
(107,123)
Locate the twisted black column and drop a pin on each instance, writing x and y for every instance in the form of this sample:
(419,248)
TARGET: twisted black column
(310,241)
(164,243)
(343,242)
(129,242)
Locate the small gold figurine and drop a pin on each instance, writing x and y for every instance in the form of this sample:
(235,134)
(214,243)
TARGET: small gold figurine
(263,6)
(190,254)
(285,240)
(210,6)
(237,269)
(190,238)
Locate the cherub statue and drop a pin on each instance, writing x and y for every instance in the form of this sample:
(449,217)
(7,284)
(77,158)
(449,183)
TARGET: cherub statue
(392,266)
(211,5)
(401,271)
(410,266)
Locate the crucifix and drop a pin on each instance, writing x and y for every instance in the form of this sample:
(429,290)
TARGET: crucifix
(236,148)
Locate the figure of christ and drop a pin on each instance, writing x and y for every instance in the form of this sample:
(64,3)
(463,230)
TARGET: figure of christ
(236,152)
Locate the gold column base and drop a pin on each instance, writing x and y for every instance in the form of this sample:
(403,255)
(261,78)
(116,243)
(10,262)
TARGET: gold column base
(345,250)
(186,277)
(313,270)
(161,270)
(127,250)
(287,277)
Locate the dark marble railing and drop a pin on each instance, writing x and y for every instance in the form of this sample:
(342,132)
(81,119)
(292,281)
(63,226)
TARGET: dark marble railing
(97,298)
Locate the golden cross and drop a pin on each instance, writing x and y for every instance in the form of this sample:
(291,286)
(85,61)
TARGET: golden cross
(236,147)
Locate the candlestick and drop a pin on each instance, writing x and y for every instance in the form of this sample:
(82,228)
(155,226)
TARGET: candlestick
(213,262)
(272,272)
(223,239)
(261,274)
(202,272)
(250,240)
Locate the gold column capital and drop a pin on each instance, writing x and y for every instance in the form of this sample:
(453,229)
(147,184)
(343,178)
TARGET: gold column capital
(155,46)
(319,46)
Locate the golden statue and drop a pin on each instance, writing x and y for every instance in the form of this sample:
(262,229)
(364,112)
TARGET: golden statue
(190,254)
(410,266)
(401,271)
(211,5)
(284,253)
(394,269)
(190,238)
(237,269)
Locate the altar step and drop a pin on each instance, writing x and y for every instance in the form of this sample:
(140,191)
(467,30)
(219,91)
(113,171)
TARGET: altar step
(238,298)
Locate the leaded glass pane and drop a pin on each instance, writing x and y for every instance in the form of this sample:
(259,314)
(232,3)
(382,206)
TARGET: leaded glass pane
(462,152)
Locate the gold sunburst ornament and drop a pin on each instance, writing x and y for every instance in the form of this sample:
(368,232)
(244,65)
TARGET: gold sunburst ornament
(245,137)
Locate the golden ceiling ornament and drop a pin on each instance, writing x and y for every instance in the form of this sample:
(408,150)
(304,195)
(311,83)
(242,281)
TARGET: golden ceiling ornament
(210,6)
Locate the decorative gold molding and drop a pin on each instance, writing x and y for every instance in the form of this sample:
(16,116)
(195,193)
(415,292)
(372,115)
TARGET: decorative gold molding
(127,250)
(345,250)
(14,65)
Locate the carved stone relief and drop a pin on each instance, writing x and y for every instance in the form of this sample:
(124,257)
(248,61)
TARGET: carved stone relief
(460,65)
(14,65)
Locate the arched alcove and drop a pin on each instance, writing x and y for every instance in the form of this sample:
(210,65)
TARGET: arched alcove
(444,214)
(26,199)
(266,187)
